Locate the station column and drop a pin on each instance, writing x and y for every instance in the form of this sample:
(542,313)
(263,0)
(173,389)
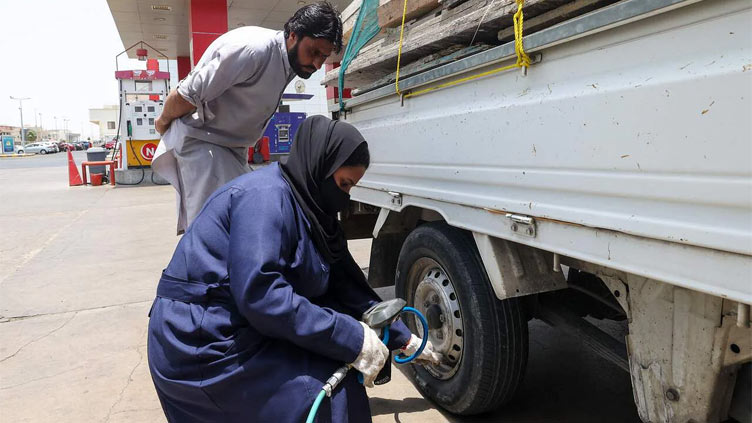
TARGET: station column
(207,20)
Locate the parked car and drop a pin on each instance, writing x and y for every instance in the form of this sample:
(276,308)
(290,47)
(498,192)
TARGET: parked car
(35,148)
(52,146)
(65,146)
(86,144)
(77,145)
(110,144)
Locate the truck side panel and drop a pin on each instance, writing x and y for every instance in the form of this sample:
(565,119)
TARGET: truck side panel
(642,130)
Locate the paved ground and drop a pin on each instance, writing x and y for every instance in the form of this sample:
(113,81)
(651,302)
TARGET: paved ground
(78,270)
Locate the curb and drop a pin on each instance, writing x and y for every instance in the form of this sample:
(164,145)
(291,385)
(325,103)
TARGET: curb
(10,156)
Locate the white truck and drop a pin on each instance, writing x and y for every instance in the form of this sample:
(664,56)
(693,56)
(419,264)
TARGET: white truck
(613,179)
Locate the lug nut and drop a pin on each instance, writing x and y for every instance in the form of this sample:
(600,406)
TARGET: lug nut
(672,395)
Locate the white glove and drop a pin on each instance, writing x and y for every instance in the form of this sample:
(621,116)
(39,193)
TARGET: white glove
(427,356)
(372,356)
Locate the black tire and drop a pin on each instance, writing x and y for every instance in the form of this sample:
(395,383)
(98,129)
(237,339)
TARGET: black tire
(43,152)
(494,346)
(19,152)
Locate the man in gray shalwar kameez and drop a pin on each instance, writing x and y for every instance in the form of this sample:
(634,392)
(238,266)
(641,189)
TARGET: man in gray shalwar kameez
(222,107)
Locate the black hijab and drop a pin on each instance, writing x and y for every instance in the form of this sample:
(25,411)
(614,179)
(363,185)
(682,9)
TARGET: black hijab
(320,147)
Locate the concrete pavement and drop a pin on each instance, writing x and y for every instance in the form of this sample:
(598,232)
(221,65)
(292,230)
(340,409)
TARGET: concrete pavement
(78,272)
(78,267)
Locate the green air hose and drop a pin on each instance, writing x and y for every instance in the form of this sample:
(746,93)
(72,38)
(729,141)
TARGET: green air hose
(315,408)
(340,373)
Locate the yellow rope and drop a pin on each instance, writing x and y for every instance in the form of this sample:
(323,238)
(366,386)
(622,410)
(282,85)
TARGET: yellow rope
(523,60)
(519,50)
(399,51)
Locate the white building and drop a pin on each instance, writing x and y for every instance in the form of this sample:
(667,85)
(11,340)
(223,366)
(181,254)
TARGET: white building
(314,106)
(13,131)
(54,134)
(106,118)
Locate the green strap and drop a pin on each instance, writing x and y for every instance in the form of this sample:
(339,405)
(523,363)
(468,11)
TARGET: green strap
(366,27)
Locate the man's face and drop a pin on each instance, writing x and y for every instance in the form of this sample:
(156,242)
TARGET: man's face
(307,54)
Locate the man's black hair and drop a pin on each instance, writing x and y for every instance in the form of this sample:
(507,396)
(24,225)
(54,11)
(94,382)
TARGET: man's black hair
(359,157)
(317,20)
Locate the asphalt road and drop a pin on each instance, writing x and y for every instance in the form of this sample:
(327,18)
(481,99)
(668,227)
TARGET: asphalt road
(41,160)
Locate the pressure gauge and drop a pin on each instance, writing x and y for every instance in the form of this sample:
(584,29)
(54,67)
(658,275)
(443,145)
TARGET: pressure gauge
(299,86)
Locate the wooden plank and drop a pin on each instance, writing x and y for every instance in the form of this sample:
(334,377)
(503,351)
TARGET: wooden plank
(552,17)
(434,32)
(427,63)
(417,25)
(350,11)
(390,14)
(350,15)
(390,36)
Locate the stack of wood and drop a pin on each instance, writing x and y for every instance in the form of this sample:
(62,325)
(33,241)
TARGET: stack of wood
(438,31)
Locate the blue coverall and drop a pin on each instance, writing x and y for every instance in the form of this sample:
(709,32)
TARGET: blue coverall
(249,321)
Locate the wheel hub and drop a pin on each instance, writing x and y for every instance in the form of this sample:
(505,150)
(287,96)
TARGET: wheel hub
(434,316)
(435,297)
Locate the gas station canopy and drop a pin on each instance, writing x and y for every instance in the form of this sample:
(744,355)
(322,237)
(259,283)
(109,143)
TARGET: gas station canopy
(166,24)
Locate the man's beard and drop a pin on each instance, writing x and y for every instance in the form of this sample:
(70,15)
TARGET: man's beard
(292,56)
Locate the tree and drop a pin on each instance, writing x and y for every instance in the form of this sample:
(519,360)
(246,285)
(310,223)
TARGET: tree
(31,136)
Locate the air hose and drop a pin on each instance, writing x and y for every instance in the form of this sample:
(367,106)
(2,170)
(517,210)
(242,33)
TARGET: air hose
(341,372)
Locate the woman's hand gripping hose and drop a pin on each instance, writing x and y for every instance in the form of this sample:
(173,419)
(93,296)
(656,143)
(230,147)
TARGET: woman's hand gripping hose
(372,357)
(369,362)
(374,352)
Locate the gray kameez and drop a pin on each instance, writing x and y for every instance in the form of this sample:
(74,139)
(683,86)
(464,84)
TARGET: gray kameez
(235,87)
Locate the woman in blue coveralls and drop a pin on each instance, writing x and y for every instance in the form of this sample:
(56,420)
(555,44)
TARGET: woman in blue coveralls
(261,300)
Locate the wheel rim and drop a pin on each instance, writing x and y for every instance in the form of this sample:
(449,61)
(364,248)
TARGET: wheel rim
(436,298)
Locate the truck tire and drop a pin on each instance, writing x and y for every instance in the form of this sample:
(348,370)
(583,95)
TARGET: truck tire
(440,273)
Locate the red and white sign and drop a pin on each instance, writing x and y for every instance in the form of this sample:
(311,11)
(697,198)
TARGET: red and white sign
(147,151)
(142,75)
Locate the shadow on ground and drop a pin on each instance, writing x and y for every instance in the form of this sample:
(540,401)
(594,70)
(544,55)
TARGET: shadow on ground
(565,382)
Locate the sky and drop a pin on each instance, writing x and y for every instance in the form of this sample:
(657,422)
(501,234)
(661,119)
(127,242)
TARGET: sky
(61,54)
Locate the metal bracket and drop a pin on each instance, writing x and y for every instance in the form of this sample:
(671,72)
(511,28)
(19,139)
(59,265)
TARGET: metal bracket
(535,58)
(396,198)
(522,225)
(383,214)
(620,291)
